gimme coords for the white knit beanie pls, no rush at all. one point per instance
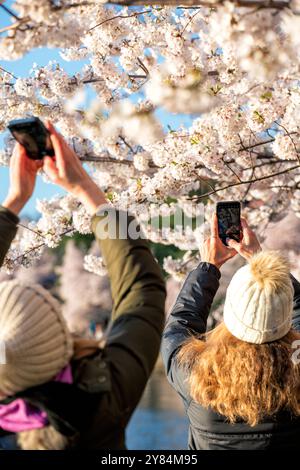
(259, 299)
(33, 335)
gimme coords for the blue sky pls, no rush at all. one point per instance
(21, 68)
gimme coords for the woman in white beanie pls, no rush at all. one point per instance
(57, 391)
(240, 383)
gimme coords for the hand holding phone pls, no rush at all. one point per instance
(67, 171)
(229, 221)
(249, 245)
(22, 176)
(33, 136)
(212, 250)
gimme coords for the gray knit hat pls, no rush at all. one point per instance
(34, 337)
(259, 299)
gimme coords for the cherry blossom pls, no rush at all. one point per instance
(232, 70)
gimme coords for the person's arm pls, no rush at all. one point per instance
(22, 173)
(134, 274)
(137, 285)
(189, 316)
(66, 171)
(8, 230)
(138, 293)
(190, 312)
(130, 261)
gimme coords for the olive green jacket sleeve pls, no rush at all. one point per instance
(136, 278)
(8, 230)
(138, 292)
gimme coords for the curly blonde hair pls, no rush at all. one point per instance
(242, 380)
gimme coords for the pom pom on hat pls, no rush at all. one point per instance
(259, 299)
(270, 269)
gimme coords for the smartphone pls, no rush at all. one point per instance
(229, 220)
(33, 135)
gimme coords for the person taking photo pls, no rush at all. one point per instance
(239, 383)
(60, 392)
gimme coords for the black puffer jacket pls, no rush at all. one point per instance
(209, 430)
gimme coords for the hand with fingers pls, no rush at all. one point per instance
(213, 250)
(66, 170)
(249, 244)
(23, 172)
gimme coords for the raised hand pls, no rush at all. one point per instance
(66, 170)
(23, 173)
(213, 250)
(249, 245)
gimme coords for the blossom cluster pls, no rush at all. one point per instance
(234, 71)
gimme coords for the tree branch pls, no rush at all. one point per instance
(264, 142)
(31, 230)
(271, 4)
(291, 139)
(231, 185)
(9, 11)
(137, 13)
(37, 247)
(108, 159)
(95, 159)
(9, 73)
(15, 25)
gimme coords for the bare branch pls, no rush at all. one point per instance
(15, 25)
(231, 169)
(9, 73)
(95, 159)
(143, 66)
(269, 4)
(126, 143)
(231, 185)
(264, 142)
(108, 159)
(31, 230)
(291, 139)
(189, 22)
(137, 13)
(37, 247)
(9, 11)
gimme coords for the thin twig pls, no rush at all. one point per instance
(231, 185)
(264, 142)
(9, 73)
(143, 66)
(95, 159)
(263, 4)
(108, 159)
(37, 247)
(291, 138)
(119, 16)
(31, 230)
(9, 12)
(231, 169)
(126, 143)
(26, 253)
(190, 21)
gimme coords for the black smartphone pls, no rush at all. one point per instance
(33, 135)
(229, 220)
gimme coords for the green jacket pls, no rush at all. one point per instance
(108, 385)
